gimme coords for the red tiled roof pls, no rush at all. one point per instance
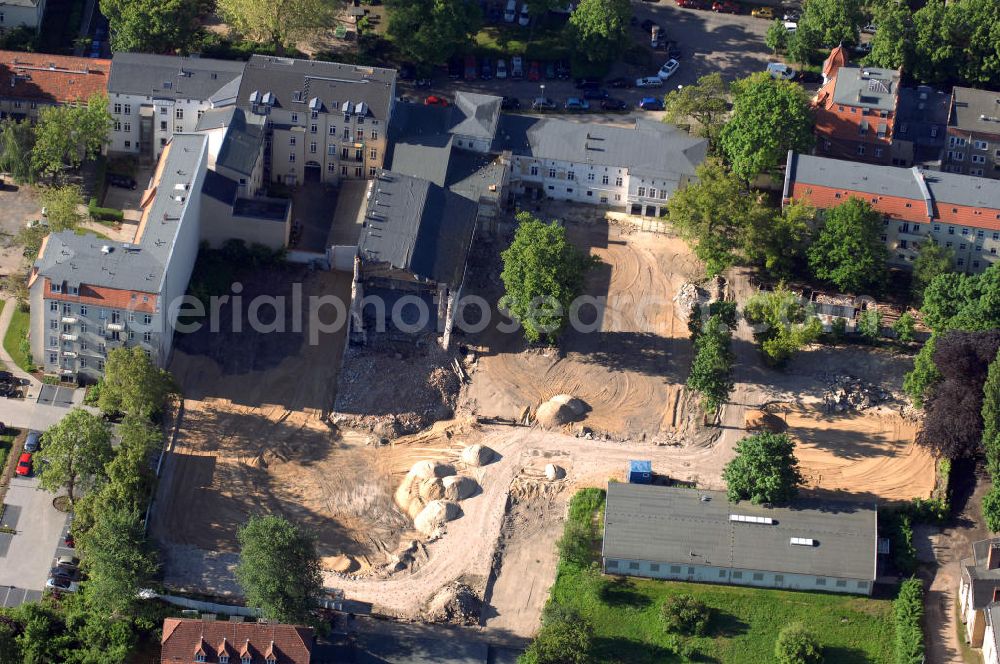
(837, 59)
(51, 78)
(289, 644)
(100, 296)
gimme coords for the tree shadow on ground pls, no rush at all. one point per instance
(621, 592)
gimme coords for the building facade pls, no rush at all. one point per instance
(958, 211)
(89, 295)
(31, 81)
(973, 144)
(683, 534)
(979, 596)
(18, 13)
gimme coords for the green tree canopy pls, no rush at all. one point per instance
(542, 274)
(598, 29)
(991, 419)
(780, 244)
(62, 206)
(66, 135)
(712, 368)
(870, 324)
(153, 26)
(782, 322)
(686, 614)
(77, 450)
(17, 140)
(132, 384)
(279, 569)
(706, 102)
(849, 251)
(431, 31)
(118, 561)
(764, 470)
(904, 327)
(908, 612)
(776, 38)
(566, 637)
(991, 507)
(892, 42)
(769, 118)
(279, 24)
(936, 43)
(797, 644)
(834, 21)
(803, 44)
(932, 260)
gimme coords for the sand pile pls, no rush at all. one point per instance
(435, 515)
(761, 420)
(341, 564)
(455, 603)
(430, 469)
(459, 488)
(559, 411)
(577, 406)
(478, 455)
(554, 472)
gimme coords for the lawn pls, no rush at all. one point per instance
(18, 331)
(6, 442)
(625, 615)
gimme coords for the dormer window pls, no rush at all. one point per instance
(56, 288)
(223, 659)
(199, 658)
(271, 660)
(246, 659)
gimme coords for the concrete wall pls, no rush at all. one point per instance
(218, 224)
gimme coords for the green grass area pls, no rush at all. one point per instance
(18, 331)
(626, 615)
(505, 41)
(6, 443)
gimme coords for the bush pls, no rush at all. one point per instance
(725, 309)
(899, 528)
(838, 329)
(870, 325)
(907, 611)
(687, 615)
(103, 213)
(991, 508)
(796, 644)
(904, 328)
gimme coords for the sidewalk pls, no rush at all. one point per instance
(32, 389)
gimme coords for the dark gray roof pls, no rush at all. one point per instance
(475, 114)
(170, 76)
(983, 580)
(648, 148)
(976, 110)
(676, 525)
(894, 181)
(219, 187)
(920, 110)
(871, 87)
(330, 83)
(216, 118)
(241, 148)
(993, 615)
(78, 259)
(417, 226)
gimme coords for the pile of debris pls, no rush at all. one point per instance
(848, 393)
(689, 295)
(456, 603)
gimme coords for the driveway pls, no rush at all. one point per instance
(27, 555)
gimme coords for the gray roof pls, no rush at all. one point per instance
(920, 110)
(871, 87)
(244, 137)
(648, 148)
(219, 187)
(894, 181)
(170, 76)
(983, 580)
(330, 83)
(475, 114)
(676, 525)
(976, 110)
(78, 259)
(216, 118)
(993, 615)
(417, 226)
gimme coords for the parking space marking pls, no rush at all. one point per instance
(11, 515)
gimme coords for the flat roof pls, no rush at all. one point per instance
(871, 87)
(694, 526)
(976, 110)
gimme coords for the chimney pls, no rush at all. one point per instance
(993, 558)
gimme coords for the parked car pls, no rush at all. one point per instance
(791, 26)
(121, 181)
(24, 465)
(524, 18)
(668, 69)
(871, 28)
(612, 104)
(550, 70)
(407, 72)
(790, 16)
(862, 50)
(726, 7)
(423, 83)
(562, 69)
(501, 69)
(434, 100)
(535, 71)
(485, 69)
(510, 103)
(809, 77)
(471, 69)
(780, 71)
(655, 36)
(516, 67)
(648, 25)
(68, 561)
(693, 4)
(69, 542)
(595, 93)
(59, 584)
(64, 572)
(585, 83)
(649, 82)
(577, 104)
(673, 50)
(621, 82)
(763, 12)
(455, 68)
(651, 104)
(543, 104)
(33, 442)
(510, 12)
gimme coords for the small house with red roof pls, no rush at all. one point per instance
(193, 641)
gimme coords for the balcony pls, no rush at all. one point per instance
(69, 320)
(116, 327)
(68, 337)
(68, 353)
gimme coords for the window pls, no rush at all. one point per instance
(146, 336)
(722, 573)
(951, 230)
(757, 576)
(291, 141)
(571, 175)
(981, 145)
(331, 150)
(147, 319)
(612, 564)
(333, 131)
(178, 128)
(618, 182)
(652, 192)
(979, 234)
(371, 171)
(357, 172)
(690, 570)
(223, 659)
(934, 131)
(291, 158)
(654, 567)
(295, 118)
(128, 129)
(737, 575)
(820, 582)
(965, 231)
(343, 153)
(373, 154)
(642, 191)
(978, 159)
(199, 658)
(53, 324)
(358, 155)
(343, 171)
(312, 147)
(841, 583)
(959, 156)
(331, 166)
(246, 660)
(590, 177)
(862, 585)
(779, 578)
(54, 306)
(53, 358)
(270, 660)
(534, 170)
(374, 134)
(53, 342)
(359, 135)
(83, 329)
(118, 109)
(128, 144)
(633, 566)
(552, 172)
(163, 110)
(100, 365)
(961, 261)
(949, 244)
(996, 236)
(878, 152)
(675, 569)
(937, 227)
(179, 114)
(861, 149)
(313, 128)
(604, 179)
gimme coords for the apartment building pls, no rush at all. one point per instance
(325, 121)
(152, 97)
(32, 81)
(18, 13)
(973, 145)
(960, 212)
(855, 110)
(633, 168)
(90, 295)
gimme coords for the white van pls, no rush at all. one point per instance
(510, 13)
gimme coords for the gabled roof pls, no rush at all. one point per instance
(51, 78)
(975, 110)
(289, 644)
(170, 76)
(837, 59)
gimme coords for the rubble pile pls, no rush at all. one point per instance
(847, 393)
(456, 603)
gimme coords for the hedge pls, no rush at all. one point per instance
(907, 610)
(104, 214)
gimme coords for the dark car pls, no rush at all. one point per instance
(423, 83)
(612, 104)
(587, 83)
(510, 103)
(651, 104)
(673, 50)
(595, 93)
(470, 68)
(621, 82)
(407, 72)
(562, 69)
(808, 77)
(486, 69)
(550, 70)
(33, 442)
(648, 24)
(455, 68)
(544, 104)
(535, 71)
(64, 572)
(121, 181)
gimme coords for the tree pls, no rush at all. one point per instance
(598, 29)
(870, 324)
(153, 26)
(932, 260)
(17, 140)
(776, 38)
(803, 44)
(279, 24)
(976, 23)
(686, 614)
(781, 245)
(61, 205)
(797, 644)
(542, 274)
(117, 560)
(783, 323)
(991, 418)
(834, 21)
(565, 637)
(908, 612)
(849, 251)
(77, 450)
(764, 470)
(711, 370)
(431, 31)
(279, 569)
(991, 507)
(715, 215)
(65, 135)
(133, 385)
(919, 382)
(892, 40)
(770, 117)
(904, 327)
(935, 42)
(706, 102)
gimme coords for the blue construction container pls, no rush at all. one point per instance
(640, 472)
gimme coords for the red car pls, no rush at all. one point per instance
(471, 68)
(693, 4)
(24, 465)
(726, 7)
(434, 100)
(535, 71)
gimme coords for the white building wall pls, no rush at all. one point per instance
(975, 248)
(990, 655)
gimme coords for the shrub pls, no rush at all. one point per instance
(907, 611)
(796, 644)
(870, 325)
(903, 327)
(103, 213)
(991, 508)
(685, 614)
(838, 329)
